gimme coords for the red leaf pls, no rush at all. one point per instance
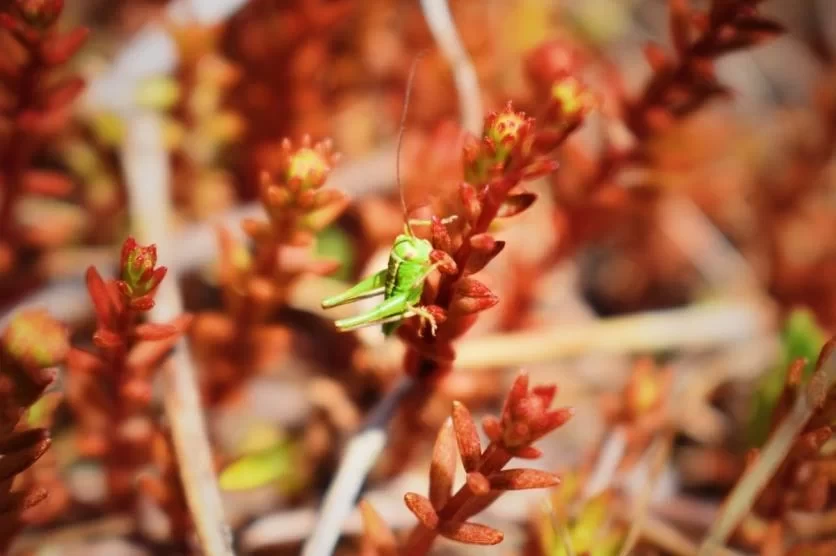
(546, 140)
(128, 247)
(149, 354)
(124, 289)
(795, 371)
(467, 437)
(659, 119)
(375, 529)
(323, 267)
(517, 393)
(527, 452)
(42, 182)
(523, 479)
(157, 276)
(445, 262)
(40, 13)
(65, 92)
(485, 248)
(137, 392)
(106, 339)
(515, 204)
(305, 199)
(440, 235)
(809, 444)
(80, 361)
(759, 29)
(23, 32)
(9, 69)
(45, 122)
(22, 440)
(656, 57)
(471, 533)
(680, 26)
(478, 504)
(478, 483)
(326, 197)
(117, 300)
(472, 296)
(483, 242)
(8, 22)
(545, 392)
(443, 466)
(816, 494)
(492, 427)
(98, 294)
(470, 202)
(423, 510)
(13, 463)
(33, 498)
(58, 50)
(153, 331)
(701, 22)
(144, 303)
(550, 421)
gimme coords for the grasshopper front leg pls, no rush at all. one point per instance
(368, 287)
(426, 318)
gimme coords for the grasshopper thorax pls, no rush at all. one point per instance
(411, 249)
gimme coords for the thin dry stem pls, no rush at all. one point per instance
(741, 499)
(607, 464)
(114, 526)
(720, 263)
(694, 327)
(659, 453)
(151, 52)
(440, 21)
(357, 461)
(558, 524)
(147, 175)
(664, 536)
(809, 526)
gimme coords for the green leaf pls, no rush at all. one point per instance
(335, 244)
(40, 413)
(590, 532)
(589, 523)
(277, 464)
(158, 93)
(801, 337)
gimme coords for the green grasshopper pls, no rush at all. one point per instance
(402, 281)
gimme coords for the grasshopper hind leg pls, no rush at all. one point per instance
(390, 314)
(368, 287)
(392, 310)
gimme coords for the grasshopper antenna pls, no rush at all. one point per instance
(401, 134)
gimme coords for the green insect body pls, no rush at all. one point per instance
(401, 283)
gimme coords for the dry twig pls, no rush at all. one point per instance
(740, 500)
(147, 174)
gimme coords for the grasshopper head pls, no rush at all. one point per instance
(409, 248)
